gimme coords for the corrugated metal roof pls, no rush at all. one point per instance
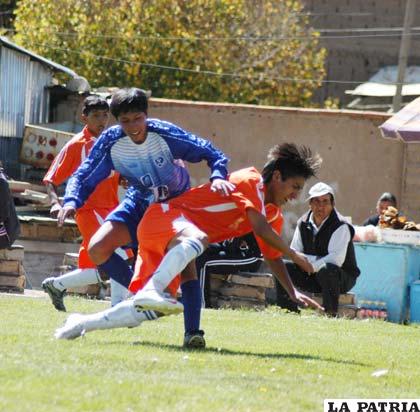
(55, 66)
(382, 84)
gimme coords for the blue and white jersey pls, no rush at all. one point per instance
(152, 168)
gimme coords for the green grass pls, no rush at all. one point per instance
(255, 361)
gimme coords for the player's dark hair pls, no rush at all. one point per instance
(292, 161)
(128, 100)
(94, 102)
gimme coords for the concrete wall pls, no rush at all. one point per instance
(358, 162)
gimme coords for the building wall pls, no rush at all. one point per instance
(23, 99)
(358, 162)
(353, 59)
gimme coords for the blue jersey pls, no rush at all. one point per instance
(152, 168)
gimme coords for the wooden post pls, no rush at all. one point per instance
(404, 46)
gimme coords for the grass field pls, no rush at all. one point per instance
(255, 361)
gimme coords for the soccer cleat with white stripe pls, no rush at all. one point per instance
(72, 329)
(161, 302)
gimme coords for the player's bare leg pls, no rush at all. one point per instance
(105, 251)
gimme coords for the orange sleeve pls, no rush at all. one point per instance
(64, 164)
(275, 218)
(249, 194)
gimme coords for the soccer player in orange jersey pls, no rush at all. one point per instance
(172, 234)
(95, 114)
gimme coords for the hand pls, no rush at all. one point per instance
(64, 213)
(305, 301)
(224, 187)
(302, 261)
(124, 182)
(55, 209)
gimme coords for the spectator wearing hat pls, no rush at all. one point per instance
(325, 238)
(385, 200)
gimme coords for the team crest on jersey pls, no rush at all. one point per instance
(146, 180)
(160, 161)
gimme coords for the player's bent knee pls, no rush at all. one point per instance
(98, 254)
(100, 249)
(109, 237)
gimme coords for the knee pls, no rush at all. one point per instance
(199, 236)
(331, 268)
(204, 240)
(98, 251)
(330, 271)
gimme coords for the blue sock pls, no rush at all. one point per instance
(117, 268)
(191, 299)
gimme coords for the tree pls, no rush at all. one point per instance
(240, 51)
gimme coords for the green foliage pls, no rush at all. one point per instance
(254, 361)
(250, 47)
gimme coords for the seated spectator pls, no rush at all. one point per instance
(325, 238)
(9, 223)
(240, 254)
(386, 199)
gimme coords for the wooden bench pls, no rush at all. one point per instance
(346, 304)
(241, 290)
(12, 273)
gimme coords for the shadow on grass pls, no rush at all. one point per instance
(229, 352)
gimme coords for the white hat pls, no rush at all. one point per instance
(320, 189)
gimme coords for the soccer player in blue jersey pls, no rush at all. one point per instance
(149, 154)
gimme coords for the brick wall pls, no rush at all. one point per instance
(358, 59)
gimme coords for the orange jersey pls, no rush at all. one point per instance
(222, 217)
(70, 158)
(219, 217)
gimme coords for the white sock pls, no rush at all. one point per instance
(118, 292)
(76, 278)
(174, 262)
(122, 315)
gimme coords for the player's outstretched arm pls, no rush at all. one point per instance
(279, 270)
(262, 229)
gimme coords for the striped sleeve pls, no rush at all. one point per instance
(97, 167)
(191, 148)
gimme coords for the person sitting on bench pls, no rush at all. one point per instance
(325, 238)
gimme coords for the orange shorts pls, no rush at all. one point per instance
(89, 221)
(155, 231)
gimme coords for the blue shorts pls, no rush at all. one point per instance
(130, 213)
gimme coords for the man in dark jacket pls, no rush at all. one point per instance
(9, 224)
(325, 238)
